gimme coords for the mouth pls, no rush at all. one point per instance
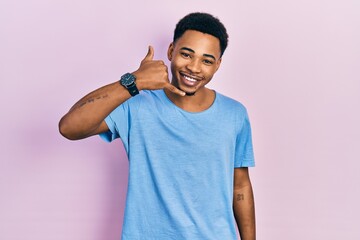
(190, 80)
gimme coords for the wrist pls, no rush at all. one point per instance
(140, 83)
(128, 81)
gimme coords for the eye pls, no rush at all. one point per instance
(185, 55)
(208, 62)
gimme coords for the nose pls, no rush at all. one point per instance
(194, 66)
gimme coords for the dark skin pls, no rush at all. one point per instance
(86, 117)
(243, 204)
(195, 57)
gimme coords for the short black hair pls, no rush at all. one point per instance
(205, 23)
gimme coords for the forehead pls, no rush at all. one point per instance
(201, 43)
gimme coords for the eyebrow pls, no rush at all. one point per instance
(205, 55)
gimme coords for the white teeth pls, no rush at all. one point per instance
(189, 79)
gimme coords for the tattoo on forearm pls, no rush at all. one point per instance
(239, 197)
(91, 100)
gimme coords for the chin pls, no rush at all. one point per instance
(188, 91)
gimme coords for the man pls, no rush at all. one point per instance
(188, 146)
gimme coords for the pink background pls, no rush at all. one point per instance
(294, 64)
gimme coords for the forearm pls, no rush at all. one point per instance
(87, 114)
(244, 212)
(86, 117)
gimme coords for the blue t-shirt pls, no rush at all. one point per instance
(181, 166)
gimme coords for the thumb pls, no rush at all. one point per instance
(150, 54)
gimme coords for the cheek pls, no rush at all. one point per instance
(177, 63)
(209, 73)
(174, 68)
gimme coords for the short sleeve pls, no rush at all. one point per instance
(120, 119)
(244, 154)
(112, 134)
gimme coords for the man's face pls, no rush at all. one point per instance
(195, 57)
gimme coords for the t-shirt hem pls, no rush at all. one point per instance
(245, 164)
(109, 135)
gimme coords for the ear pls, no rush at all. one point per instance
(170, 51)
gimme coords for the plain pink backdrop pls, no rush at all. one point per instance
(294, 64)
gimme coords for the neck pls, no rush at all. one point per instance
(198, 102)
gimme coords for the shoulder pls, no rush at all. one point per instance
(230, 103)
(144, 95)
(233, 109)
(146, 100)
(149, 94)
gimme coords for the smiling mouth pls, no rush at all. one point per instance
(189, 79)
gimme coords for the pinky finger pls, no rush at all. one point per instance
(175, 90)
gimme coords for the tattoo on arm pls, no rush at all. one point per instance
(239, 197)
(90, 100)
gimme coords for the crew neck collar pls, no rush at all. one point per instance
(212, 106)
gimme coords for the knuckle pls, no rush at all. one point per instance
(166, 76)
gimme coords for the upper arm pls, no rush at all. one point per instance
(241, 177)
